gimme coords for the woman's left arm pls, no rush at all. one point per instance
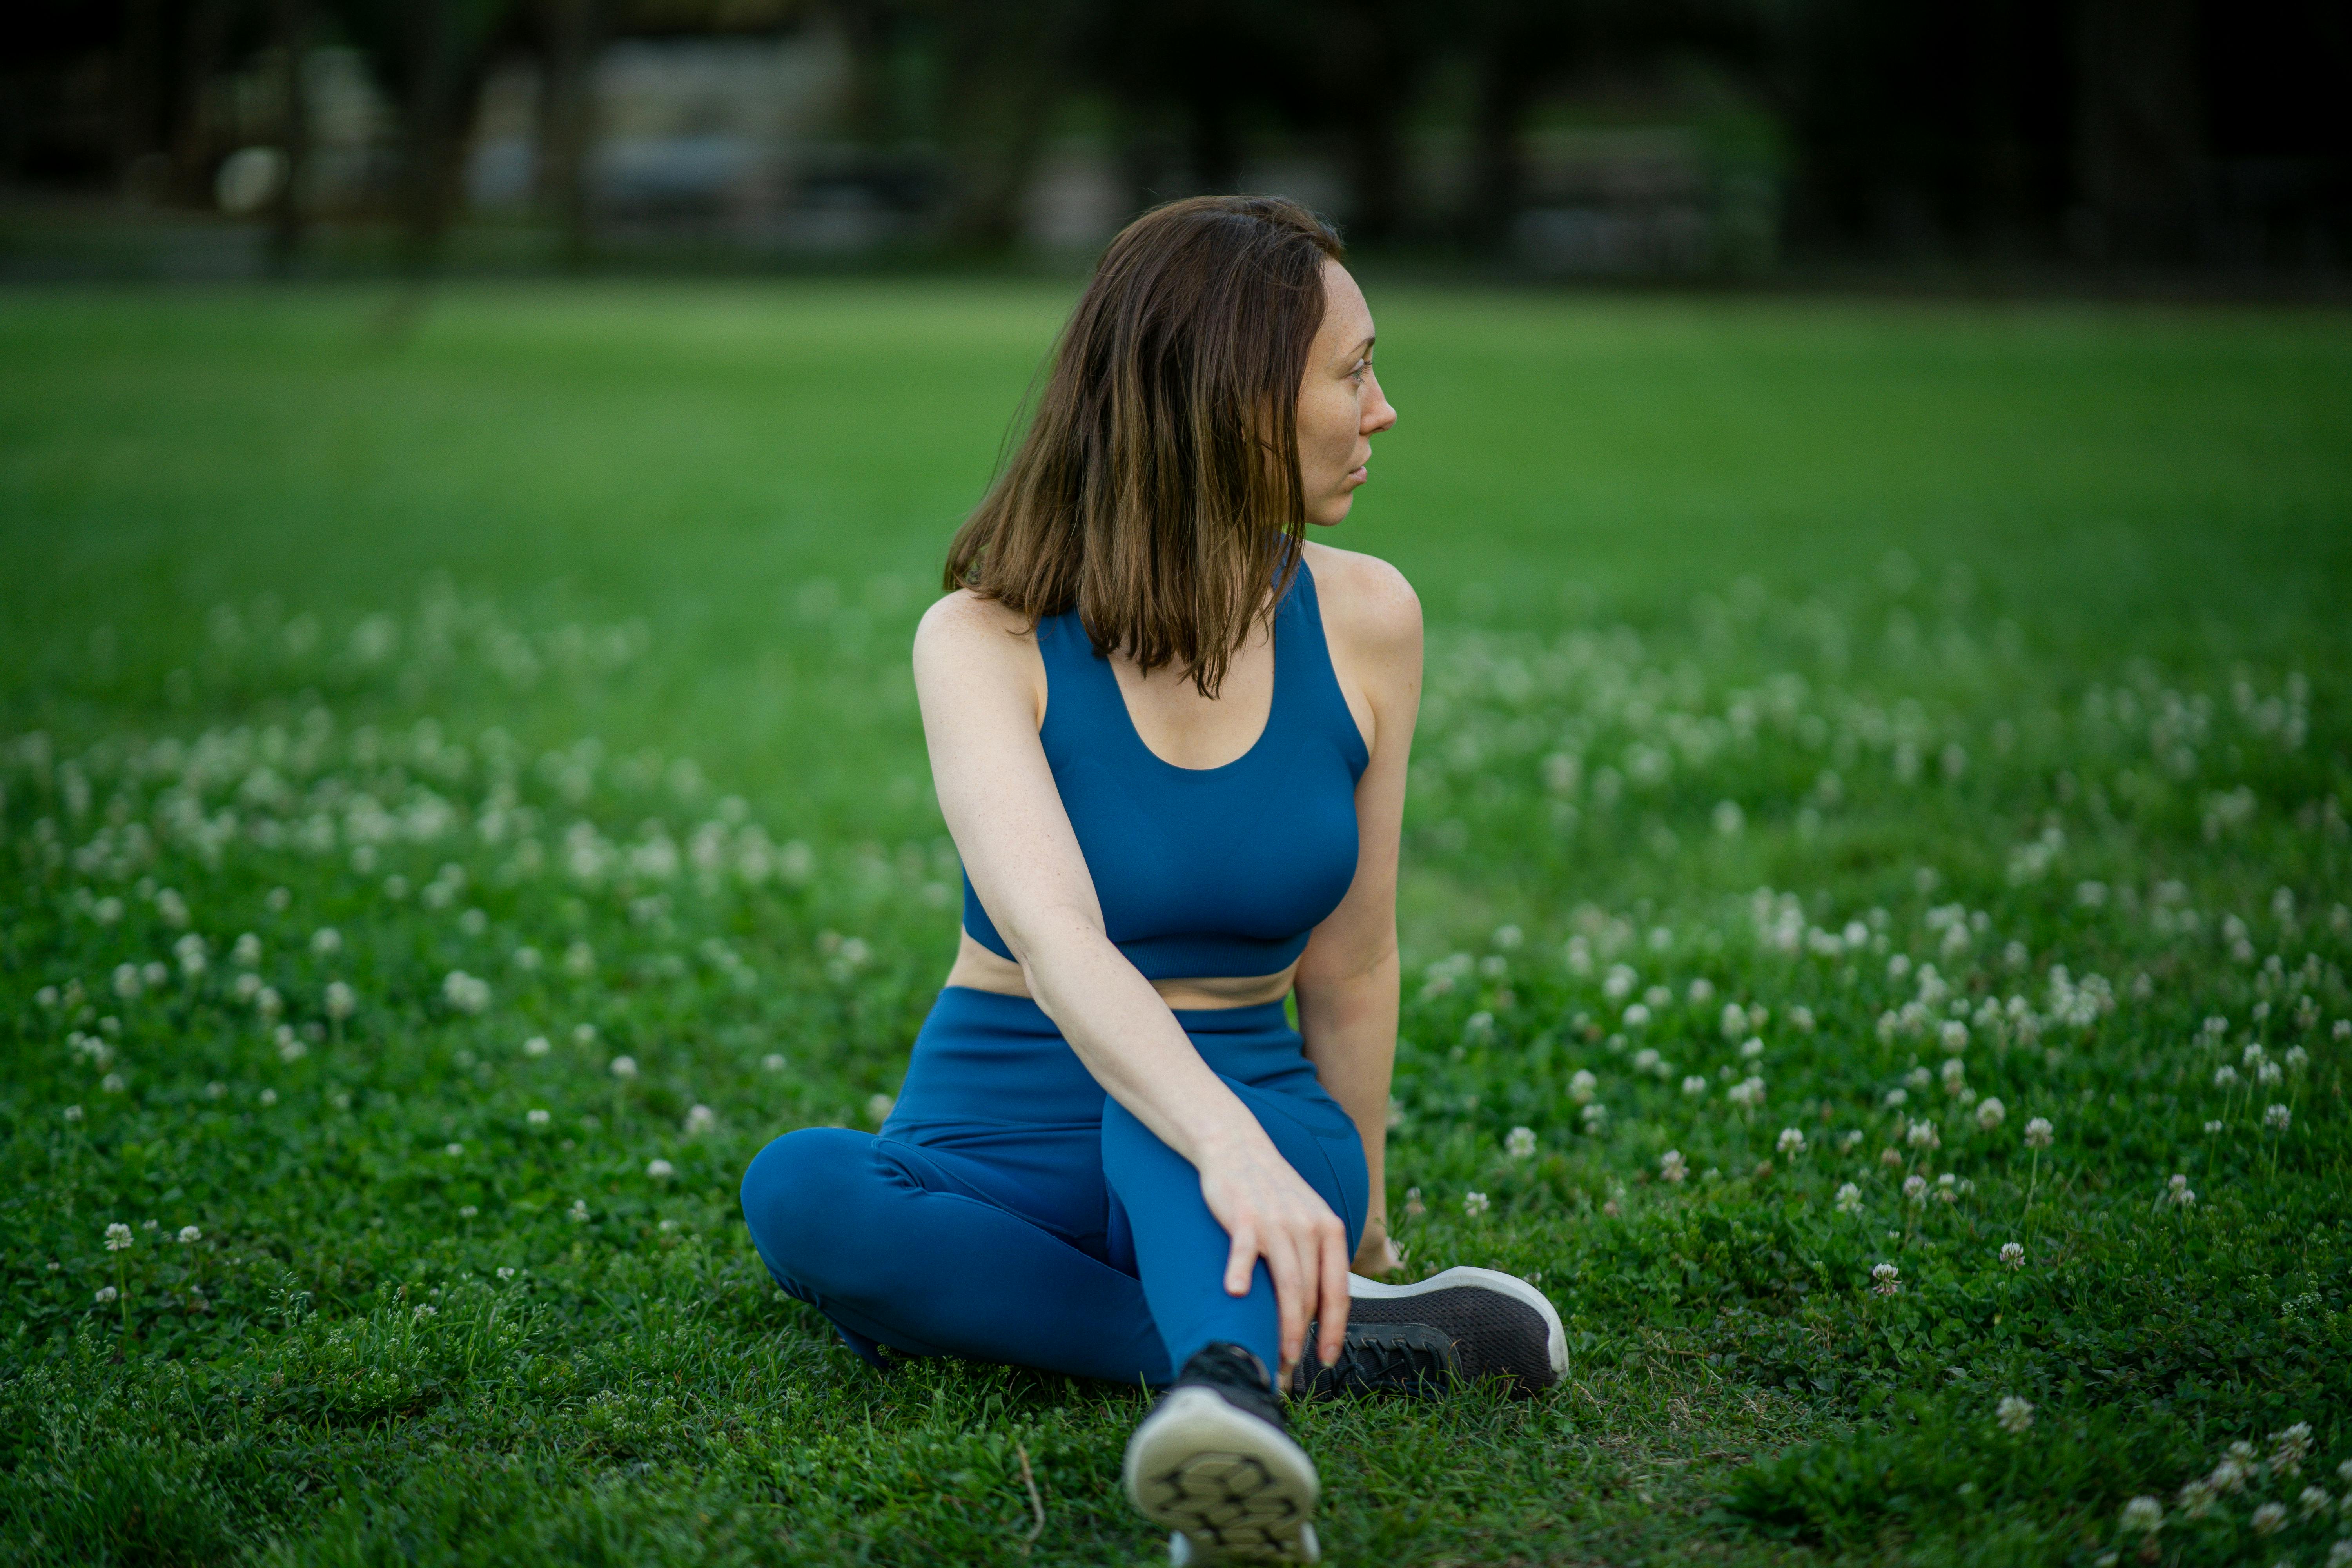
(1348, 979)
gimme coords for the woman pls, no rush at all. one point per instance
(1169, 737)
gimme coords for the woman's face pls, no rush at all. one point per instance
(1341, 408)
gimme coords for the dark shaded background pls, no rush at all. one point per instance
(2085, 139)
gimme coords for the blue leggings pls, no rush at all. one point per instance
(1009, 1211)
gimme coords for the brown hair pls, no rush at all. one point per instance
(1158, 489)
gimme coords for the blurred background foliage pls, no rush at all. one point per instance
(2180, 140)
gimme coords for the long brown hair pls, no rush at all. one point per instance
(1157, 489)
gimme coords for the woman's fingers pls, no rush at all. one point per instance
(1334, 1305)
(1240, 1262)
(1289, 1292)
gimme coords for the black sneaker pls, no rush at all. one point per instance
(1215, 1463)
(1465, 1323)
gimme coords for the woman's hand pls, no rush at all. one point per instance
(1270, 1211)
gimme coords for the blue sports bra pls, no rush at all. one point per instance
(1204, 873)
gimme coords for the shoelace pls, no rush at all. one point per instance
(1409, 1357)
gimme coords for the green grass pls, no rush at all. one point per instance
(1778, 653)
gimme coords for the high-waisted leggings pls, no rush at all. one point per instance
(1010, 1211)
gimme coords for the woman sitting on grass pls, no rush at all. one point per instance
(1169, 737)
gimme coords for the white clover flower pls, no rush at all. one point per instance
(1672, 1166)
(2012, 1255)
(700, 1118)
(1915, 1187)
(2268, 1518)
(1520, 1142)
(245, 952)
(1793, 1142)
(269, 1097)
(2269, 1073)
(127, 983)
(2015, 1415)
(424, 1311)
(774, 1062)
(1954, 1035)
(119, 1237)
(2212, 1127)
(536, 1046)
(2277, 1117)
(1581, 1087)
(525, 959)
(1637, 1016)
(2290, 1448)
(536, 1117)
(2038, 1134)
(1886, 1279)
(72, 1113)
(660, 1170)
(267, 1003)
(454, 1150)
(624, 1067)
(505, 1272)
(2224, 1075)
(1748, 1093)
(2196, 1498)
(578, 1211)
(2315, 1500)
(189, 1233)
(2340, 1555)
(326, 942)
(1802, 1020)
(465, 991)
(342, 1002)
(1852, 1137)
(1848, 1199)
(1751, 1048)
(2297, 1057)
(107, 1293)
(1991, 1114)
(1895, 1098)
(878, 1107)
(290, 1047)
(1922, 1134)
(1475, 1204)
(1593, 1116)
(2143, 1516)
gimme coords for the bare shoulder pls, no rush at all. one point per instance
(962, 625)
(1365, 599)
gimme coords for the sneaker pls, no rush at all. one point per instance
(1465, 1323)
(1215, 1463)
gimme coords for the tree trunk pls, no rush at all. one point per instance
(293, 21)
(1497, 162)
(568, 124)
(2141, 136)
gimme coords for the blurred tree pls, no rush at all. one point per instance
(569, 32)
(432, 56)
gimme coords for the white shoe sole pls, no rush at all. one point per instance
(1229, 1487)
(1511, 1285)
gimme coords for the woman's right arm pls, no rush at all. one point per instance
(981, 687)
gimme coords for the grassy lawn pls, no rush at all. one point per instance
(460, 794)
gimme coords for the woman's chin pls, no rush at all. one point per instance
(1331, 513)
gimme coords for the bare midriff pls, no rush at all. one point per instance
(981, 970)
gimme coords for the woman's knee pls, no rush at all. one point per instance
(804, 1191)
